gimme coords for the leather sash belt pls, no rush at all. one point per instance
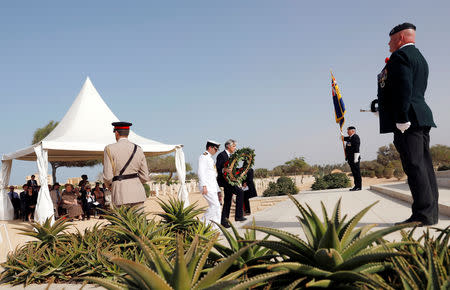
(125, 176)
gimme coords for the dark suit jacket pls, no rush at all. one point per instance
(251, 192)
(401, 91)
(32, 183)
(352, 145)
(220, 161)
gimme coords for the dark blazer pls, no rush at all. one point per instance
(220, 162)
(32, 183)
(251, 192)
(401, 91)
(352, 145)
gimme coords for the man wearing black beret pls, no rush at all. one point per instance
(353, 156)
(403, 111)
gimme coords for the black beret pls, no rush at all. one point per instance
(351, 128)
(121, 125)
(401, 27)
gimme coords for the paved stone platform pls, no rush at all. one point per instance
(385, 213)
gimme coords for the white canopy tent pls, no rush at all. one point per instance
(82, 134)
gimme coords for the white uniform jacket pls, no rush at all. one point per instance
(207, 173)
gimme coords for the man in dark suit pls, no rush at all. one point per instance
(248, 186)
(230, 147)
(353, 156)
(32, 182)
(403, 111)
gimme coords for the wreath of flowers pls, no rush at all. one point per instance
(238, 175)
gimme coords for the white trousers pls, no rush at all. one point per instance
(214, 211)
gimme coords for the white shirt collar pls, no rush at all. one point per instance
(228, 153)
(122, 138)
(411, 43)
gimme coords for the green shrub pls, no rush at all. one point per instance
(367, 173)
(388, 172)
(261, 173)
(283, 186)
(399, 173)
(443, 168)
(379, 171)
(319, 184)
(330, 181)
(147, 189)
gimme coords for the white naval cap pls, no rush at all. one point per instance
(212, 143)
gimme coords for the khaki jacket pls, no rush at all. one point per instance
(129, 190)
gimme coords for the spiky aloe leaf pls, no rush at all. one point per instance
(180, 279)
(142, 275)
(201, 262)
(286, 249)
(359, 260)
(324, 212)
(351, 276)
(294, 241)
(365, 241)
(108, 284)
(328, 258)
(330, 238)
(230, 239)
(351, 224)
(294, 284)
(313, 230)
(246, 284)
(325, 283)
(218, 270)
(155, 258)
(300, 269)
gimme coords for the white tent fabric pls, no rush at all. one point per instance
(44, 206)
(181, 172)
(6, 207)
(82, 134)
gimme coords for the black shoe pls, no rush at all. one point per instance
(241, 219)
(226, 225)
(415, 223)
(355, 188)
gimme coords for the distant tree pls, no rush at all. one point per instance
(191, 176)
(164, 164)
(279, 170)
(440, 155)
(261, 173)
(41, 133)
(387, 154)
(297, 165)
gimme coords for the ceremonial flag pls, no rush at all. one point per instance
(339, 107)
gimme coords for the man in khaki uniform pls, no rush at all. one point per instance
(125, 168)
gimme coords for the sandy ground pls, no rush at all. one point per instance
(151, 206)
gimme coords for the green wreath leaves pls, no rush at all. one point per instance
(238, 175)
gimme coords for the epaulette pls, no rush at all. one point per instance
(206, 153)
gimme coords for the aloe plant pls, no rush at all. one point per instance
(255, 254)
(47, 233)
(179, 217)
(334, 250)
(428, 266)
(184, 271)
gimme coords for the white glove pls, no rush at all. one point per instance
(342, 133)
(357, 157)
(403, 126)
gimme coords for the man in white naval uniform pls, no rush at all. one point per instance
(207, 177)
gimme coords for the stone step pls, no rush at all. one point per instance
(401, 191)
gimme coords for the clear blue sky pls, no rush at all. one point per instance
(186, 71)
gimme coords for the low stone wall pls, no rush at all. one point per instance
(261, 184)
